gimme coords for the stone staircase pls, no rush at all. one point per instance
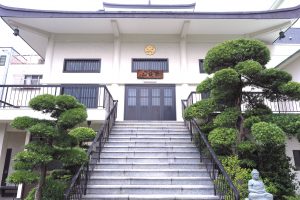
(147, 161)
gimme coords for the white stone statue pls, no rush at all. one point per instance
(256, 188)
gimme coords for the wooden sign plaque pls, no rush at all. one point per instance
(150, 74)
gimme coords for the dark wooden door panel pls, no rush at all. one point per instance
(150, 102)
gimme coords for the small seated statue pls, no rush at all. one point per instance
(256, 188)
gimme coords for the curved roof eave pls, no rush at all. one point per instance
(286, 13)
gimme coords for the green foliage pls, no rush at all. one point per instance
(249, 68)
(204, 86)
(22, 176)
(45, 103)
(73, 157)
(270, 186)
(239, 176)
(23, 122)
(258, 110)
(66, 102)
(230, 53)
(291, 89)
(39, 147)
(70, 118)
(227, 118)
(225, 78)
(83, 134)
(61, 174)
(53, 190)
(273, 78)
(265, 133)
(289, 123)
(274, 165)
(201, 109)
(222, 137)
(296, 197)
(246, 146)
(250, 121)
(34, 158)
(43, 129)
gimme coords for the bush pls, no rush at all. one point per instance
(23, 123)
(274, 78)
(239, 176)
(230, 53)
(45, 103)
(66, 102)
(222, 137)
(225, 78)
(227, 118)
(265, 133)
(258, 110)
(42, 129)
(204, 86)
(250, 121)
(73, 157)
(22, 176)
(289, 123)
(200, 110)
(83, 134)
(291, 89)
(53, 190)
(71, 117)
(249, 68)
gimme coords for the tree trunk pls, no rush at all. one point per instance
(41, 183)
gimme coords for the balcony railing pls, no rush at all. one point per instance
(92, 96)
(277, 106)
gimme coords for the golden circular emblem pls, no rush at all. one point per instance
(150, 50)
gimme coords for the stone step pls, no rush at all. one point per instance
(149, 197)
(150, 172)
(164, 123)
(103, 165)
(111, 180)
(150, 144)
(163, 160)
(149, 130)
(149, 134)
(150, 139)
(108, 148)
(146, 154)
(150, 189)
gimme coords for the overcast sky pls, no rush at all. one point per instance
(8, 40)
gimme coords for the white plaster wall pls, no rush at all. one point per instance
(14, 140)
(63, 50)
(294, 69)
(293, 144)
(280, 52)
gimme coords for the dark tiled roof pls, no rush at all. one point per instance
(292, 36)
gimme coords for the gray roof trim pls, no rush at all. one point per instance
(288, 59)
(286, 13)
(150, 6)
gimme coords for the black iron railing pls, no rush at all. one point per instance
(79, 182)
(277, 106)
(223, 185)
(18, 96)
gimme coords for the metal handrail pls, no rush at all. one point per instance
(223, 185)
(79, 182)
(18, 96)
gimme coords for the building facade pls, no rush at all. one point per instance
(147, 60)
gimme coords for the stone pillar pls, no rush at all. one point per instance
(2, 147)
(49, 59)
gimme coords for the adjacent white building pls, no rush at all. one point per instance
(148, 58)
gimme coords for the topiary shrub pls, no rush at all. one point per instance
(239, 176)
(250, 121)
(70, 117)
(66, 102)
(200, 110)
(73, 156)
(222, 137)
(23, 123)
(227, 118)
(291, 89)
(204, 86)
(83, 134)
(265, 133)
(258, 110)
(45, 103)
(249, 68)
(231, 52)
(22, 176)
